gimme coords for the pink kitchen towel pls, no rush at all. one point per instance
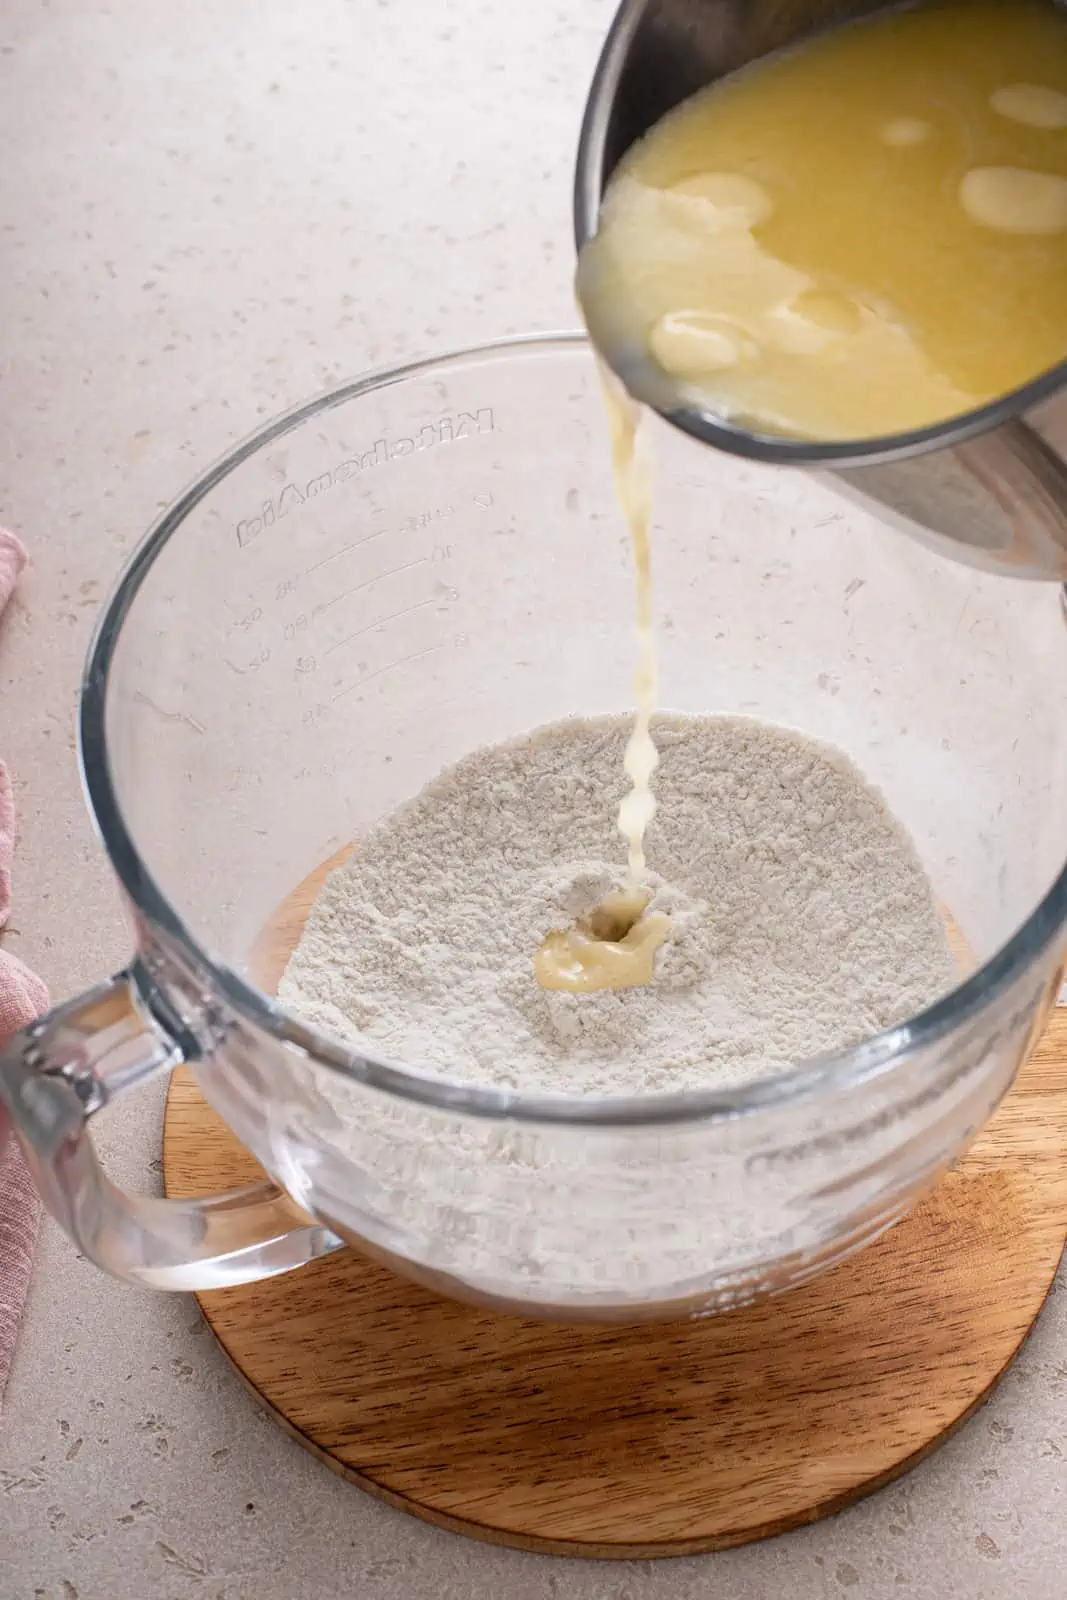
(22, 997)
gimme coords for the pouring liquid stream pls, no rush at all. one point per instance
(615, 946)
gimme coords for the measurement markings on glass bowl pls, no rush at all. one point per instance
(346, 549)
(303, 624)
(439, 602)
(287, 586)
(410, 525)
(368, 583)
(416, 655)
(273, 638)
(481, 500)
(434, 600)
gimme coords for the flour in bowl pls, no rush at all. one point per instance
(801, 919)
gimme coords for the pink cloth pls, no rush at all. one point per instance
(22, 997)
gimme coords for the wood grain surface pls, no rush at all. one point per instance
(656, 1440)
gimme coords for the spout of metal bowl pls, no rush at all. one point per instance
(989, 488)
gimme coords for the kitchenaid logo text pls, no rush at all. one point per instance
(463, 425)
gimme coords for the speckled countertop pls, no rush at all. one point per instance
(208, 211)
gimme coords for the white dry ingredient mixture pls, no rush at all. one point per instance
(801, 919)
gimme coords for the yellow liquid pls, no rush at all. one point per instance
(863, 235)
(616, 947)
(633, 487)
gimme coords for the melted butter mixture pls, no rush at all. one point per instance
(615, 947)
(633, 486)
(863, 235)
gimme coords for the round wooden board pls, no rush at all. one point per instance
(664, 1439)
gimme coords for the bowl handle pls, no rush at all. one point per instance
(55, 1075)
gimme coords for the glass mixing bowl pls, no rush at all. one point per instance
(431, 559)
